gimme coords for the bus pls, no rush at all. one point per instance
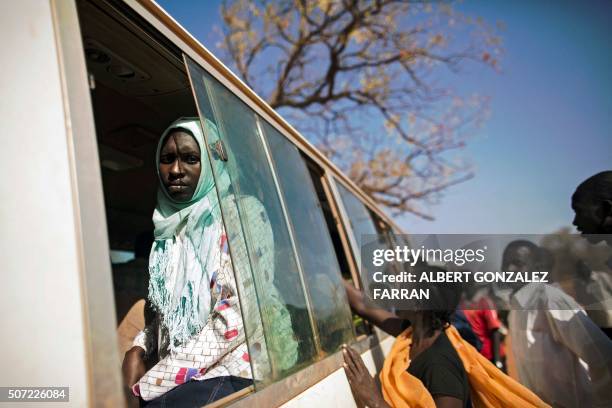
(88, 86)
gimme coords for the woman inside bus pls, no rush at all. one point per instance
(429, 365)
(197, 335)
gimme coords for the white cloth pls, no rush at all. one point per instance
(220, 348)
(560, 354)
(596, 297)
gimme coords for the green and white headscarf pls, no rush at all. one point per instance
(182, 264)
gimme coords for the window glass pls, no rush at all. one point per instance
(387, 240)
(343, 253)
(398, 238)
(275, 311)
(367, 230)
(119, 257)
(315, 248)
(360, 219)
(385, 233)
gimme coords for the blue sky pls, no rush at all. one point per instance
(551, 114)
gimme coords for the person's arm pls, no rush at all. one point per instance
(493, 324)
(576, 331)
(496, 348)
(141, 355)
(385, 320)
(133, 368)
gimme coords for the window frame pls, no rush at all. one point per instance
(282, 194)
(101, 342)
(384, 225)
(263, 143)
(100, 337)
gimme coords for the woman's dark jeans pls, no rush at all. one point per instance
(198, 393)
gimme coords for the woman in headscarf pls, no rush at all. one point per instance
(197, 333)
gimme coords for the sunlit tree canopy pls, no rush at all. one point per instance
(361, 80)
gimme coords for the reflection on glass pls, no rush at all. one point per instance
(360, 219)
(266, 269)
(386, 237)
(316, 252)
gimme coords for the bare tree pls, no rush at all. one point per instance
(360, 80)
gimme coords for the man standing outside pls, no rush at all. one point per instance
(592, 204)
(560, 354)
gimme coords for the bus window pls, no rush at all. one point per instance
(364, 222)
(119, 257)
(385, 233)
(367, 228)
(247, 181)
(317, 176)
(139, 87)
(360, 219)
(315, 249)
(342, 250)
(287, 265)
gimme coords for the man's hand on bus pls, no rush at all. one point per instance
(133, 368)
(364, 388)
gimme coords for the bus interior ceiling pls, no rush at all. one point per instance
(139, 88)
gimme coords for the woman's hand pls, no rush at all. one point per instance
(355, 297)
(362, 384)
(133, 369)
(381, 318)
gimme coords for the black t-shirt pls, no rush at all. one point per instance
(441, 371)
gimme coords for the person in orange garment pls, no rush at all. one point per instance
(430, 365)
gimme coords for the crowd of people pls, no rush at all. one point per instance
(560, 356)
(458, 357)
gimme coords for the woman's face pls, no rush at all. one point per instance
(180, 165)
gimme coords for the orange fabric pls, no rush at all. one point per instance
(400, 388)
(489, 386)
(510, 363)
